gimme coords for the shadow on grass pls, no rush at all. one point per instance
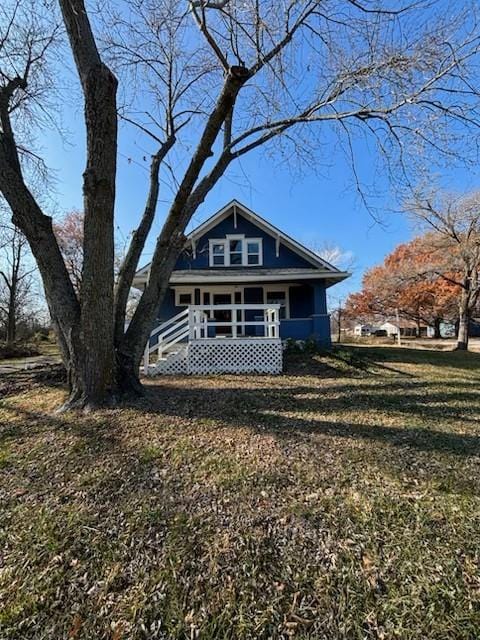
(265, 410)
(466, 360)
(335, 363)
(426, 416)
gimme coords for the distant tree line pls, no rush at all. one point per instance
(435, 277)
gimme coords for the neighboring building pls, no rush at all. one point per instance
(410, 329)
(239, 288)
(407, 329)
(364, 330)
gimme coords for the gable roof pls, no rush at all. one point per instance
(269, 228)
(320, 266)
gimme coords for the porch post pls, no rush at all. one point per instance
(191, 320)
(146, 357)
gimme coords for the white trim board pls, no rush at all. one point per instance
(213, 290)
(239, 277)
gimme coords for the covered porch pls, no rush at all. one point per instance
(302, 314)
(210, 326)
(236, 338)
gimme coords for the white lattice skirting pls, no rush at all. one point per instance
(231, 355)
(174, 364)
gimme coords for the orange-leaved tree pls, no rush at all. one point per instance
(408, 281)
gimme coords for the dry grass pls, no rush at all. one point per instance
(341, 501)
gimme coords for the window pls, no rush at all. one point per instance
(183, 298)
(253, 252)
(278, 297)
(236, 251)
(218, 253)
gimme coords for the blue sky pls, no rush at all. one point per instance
(316, 207)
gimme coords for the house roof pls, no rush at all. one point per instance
(321, 269)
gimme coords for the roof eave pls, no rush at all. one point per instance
(180, 279)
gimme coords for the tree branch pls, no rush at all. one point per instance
(137, 243)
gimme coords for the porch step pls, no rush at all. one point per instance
(217, 344)
(175, 362)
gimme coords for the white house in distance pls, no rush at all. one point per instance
(364, 330)
(390, 328)
(407, 329)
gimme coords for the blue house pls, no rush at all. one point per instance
(240, 288)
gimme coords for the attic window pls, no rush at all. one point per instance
(253, 252)
(236, 251)
(217, 257)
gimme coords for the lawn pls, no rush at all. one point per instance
(340, 500)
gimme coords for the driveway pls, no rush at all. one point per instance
(21, 364)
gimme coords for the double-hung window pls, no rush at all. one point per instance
(236, 251)
(278, 297)
(217, 254)
(253, 252)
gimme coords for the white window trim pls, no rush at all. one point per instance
(286, 289)
(226, 248)
(260, 252)
(212, 289)
(181, 291)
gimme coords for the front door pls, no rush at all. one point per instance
(222, 315)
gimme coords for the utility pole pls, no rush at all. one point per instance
(399, 341)
(339, 334)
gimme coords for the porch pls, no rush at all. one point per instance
(303, 309)
(217, 338)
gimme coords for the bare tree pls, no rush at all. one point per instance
(215, 80)
(16, 280)
(69, 234)
(456, 220)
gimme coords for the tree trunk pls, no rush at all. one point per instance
(11, 317)
(97, 273)
(94, 379)
(171, 239)
(436, 328)
(137, 244)
(463, 322)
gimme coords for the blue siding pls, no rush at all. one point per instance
(299, 329)
(301, 301)
(286, 258)
(308, 302)
(168, 308)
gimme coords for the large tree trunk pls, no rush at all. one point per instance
(85, 332)
(436, 328)
(171, 240)
(95, 382)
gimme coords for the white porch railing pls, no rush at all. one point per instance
(214, 322)
(203, 322)
(169, 333)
